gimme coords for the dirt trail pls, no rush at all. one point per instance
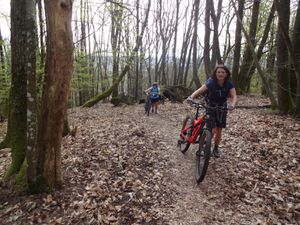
(124, 168)
(194, 204)
(245, 185)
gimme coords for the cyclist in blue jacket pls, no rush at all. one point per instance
(154, 92)
(216, 91)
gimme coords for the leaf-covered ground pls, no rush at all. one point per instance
(123, 167)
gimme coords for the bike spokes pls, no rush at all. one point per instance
(183, 142)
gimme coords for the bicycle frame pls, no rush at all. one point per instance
(198, 126)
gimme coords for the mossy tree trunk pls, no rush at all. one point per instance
(22, 108)
(18, 104)
(30, 52)
(59, 64)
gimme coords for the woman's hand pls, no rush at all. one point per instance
(230, 107)
(190, 99)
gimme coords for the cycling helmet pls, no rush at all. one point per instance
(155, 84)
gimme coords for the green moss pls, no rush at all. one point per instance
(5, 143)
(17, 161)
(40, 186)
(21, 178)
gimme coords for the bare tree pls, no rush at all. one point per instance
(116, 21)
(174, 58)
(184, 52)
(295, 82)
(243, 79)
(258, 66)
(206, 52)
(262, 43)
(283, 94)
(195, 44)
(238, 41)
(283, 9)
(129, 61)
(216, 54)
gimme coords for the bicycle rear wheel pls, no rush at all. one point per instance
(184, 144)
(203, 155)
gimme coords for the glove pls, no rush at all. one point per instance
(230, 107)
(190, 99)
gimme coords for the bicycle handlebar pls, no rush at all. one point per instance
(199, 105)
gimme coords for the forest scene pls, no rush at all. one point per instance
(78, 147)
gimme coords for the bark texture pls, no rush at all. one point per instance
(59, 62)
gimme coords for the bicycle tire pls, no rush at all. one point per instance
(184, 144)
(203, 155)
(148, 106)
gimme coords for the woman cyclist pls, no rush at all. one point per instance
(154, 92)
(216, 91)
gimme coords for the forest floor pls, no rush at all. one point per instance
(124, 167)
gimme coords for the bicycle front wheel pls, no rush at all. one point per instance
(148, 106)
(203, 155)
(184, 143)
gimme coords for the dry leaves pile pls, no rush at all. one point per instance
(123, 167)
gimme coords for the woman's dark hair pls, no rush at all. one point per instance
(213, 76)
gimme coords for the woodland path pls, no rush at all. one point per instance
(124, 167)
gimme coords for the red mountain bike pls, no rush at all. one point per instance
(198, 131)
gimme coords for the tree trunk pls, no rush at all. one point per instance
(3, 82)
(262, 42)
(286, 107)
(116, 21)
(283, 9)
(271, 57)
(216, 54)
(207, 40)
(243, 79)
(174, 58)
(237, 45)
(184, 53)
(18, 104)
(41, 27)
(195, 43)
(59, 62)
(296, 46)
(30, 52)
(2, 60)
(137, 59)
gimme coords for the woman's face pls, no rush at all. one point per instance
(221, 74)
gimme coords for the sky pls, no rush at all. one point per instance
(4, 18)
